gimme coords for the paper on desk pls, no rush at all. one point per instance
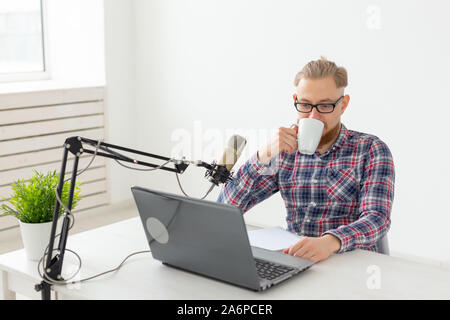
(274, 238)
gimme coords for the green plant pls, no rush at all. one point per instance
(34, 200)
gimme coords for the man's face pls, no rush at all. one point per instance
(315, 91)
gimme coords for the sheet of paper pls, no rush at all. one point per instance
(274, 238)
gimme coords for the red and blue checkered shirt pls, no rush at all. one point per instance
(347, 191)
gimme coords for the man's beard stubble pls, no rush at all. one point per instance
(330, 136)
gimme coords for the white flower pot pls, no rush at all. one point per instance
(35, 238)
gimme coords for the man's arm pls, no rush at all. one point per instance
(257, 179)
(376, 198)
(253, 183)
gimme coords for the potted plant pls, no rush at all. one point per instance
(33, 204)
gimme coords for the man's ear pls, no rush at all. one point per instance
(345, 103)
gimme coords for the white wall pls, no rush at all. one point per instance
(216, 67)
(120, 93)
(76, 41)
(91, 42)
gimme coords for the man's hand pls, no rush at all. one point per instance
(284, 140)
(315, 249)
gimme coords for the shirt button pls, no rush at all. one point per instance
(315, 181)
(308, 220)
(313, 204)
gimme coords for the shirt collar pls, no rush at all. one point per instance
(343, 134)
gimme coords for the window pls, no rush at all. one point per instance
(22, 45)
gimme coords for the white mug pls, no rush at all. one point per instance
(309, 135)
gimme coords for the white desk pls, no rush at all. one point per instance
(343, 276)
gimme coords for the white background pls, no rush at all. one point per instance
(210, 68)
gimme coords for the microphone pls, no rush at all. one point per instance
(232, 151)
(221, 171)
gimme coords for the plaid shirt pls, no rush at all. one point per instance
(347, 191)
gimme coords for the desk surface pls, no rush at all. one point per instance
(357, 274)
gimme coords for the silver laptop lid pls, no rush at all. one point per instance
(201, 236)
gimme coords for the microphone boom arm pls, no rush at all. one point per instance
(53, 266)
(179, 167)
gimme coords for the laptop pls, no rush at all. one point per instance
(210, 239)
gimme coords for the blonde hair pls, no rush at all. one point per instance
(323, 68)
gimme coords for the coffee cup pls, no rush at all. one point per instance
(309, 135)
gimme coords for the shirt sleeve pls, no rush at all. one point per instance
(375, 202)
(253, 183)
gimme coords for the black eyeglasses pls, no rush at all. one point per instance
(321, 107)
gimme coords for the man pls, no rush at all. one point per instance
(339, 198)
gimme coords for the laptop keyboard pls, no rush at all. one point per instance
(269, 270)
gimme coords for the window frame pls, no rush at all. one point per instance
(40, 75)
